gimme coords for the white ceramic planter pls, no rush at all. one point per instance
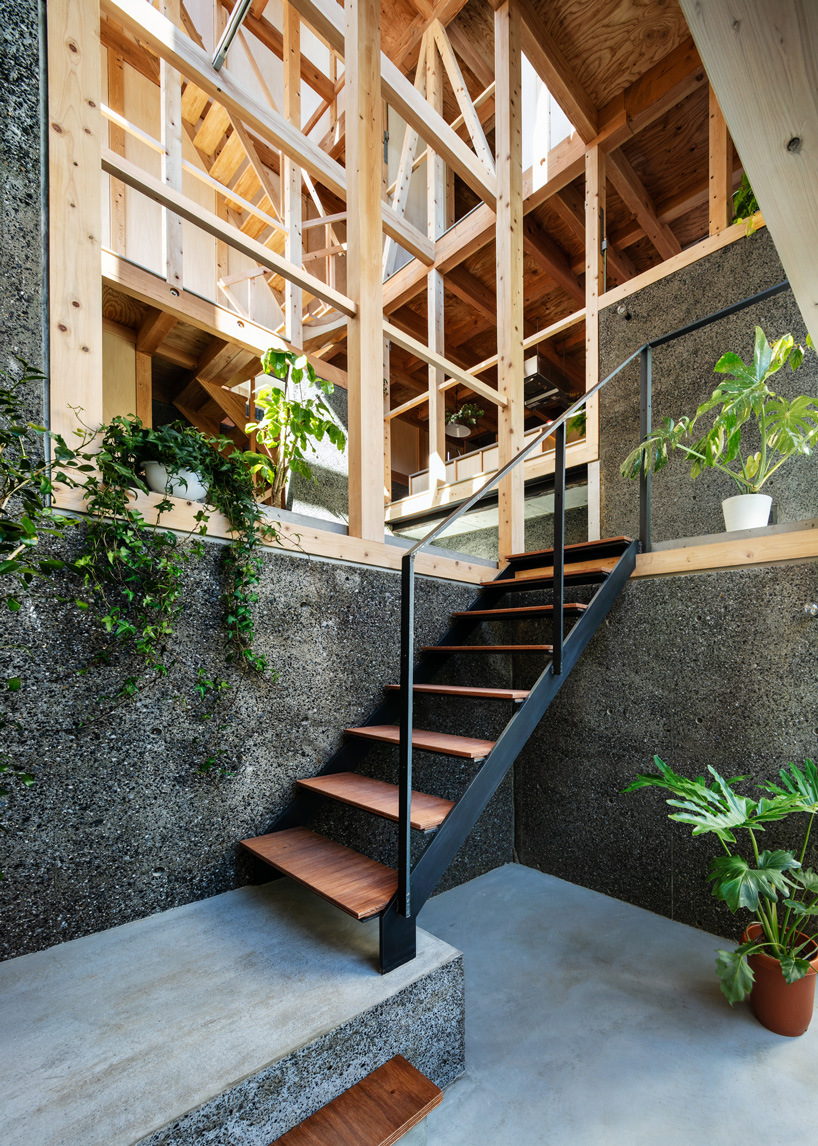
(746, 511)
(173, 484)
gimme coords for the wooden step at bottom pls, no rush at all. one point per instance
(521, 611)
(466, 691)
(427, 813)
(578, 547)
(377, 1111)
(487, 648)
(441, 742)
(358, 885)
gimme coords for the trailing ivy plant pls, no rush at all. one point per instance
(786, 429)
(132, 573)
(290, 424)
(745, 205)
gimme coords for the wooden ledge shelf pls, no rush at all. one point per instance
(801, 545)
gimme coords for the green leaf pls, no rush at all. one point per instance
(793, 968)
(738, 885)
(13, 604)
(735, 973)
(13, 684)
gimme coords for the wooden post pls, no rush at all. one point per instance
(387, 427)
(74, 149)
(171, 92)
(435, 226)
(116, 142)
(364, 141)
(720, 199)
(144, 389)
(508, 137)
(594, 284)
(291, 173)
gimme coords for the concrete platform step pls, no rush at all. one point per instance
(226, 1021)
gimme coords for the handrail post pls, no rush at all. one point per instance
(645, 426)
(559, 548)
(407, 674)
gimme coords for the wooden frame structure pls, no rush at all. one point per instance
(505, 256)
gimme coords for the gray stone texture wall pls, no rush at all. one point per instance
(121, 824)
(683, 377)
(707, 669)
(21, 269)
(539, 534)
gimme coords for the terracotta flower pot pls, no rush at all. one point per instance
(782, 1007)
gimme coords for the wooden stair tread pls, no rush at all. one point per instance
(577, 545)
(599, 565)
(521, 611)
(377, 1111)
(487, 648)
(382, 799)
(442, 742)
(578, 573)
(358, 885)
(467, 691)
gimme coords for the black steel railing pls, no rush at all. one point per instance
(557, 429)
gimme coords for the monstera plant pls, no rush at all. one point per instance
(784, 429)
(777, 958)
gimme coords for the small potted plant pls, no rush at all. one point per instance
(785, 430)
(777, 959)
(458, 421)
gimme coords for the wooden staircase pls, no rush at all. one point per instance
(365, 888)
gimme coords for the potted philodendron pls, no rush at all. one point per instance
(458, 421)
(776, 961)
(785, 430)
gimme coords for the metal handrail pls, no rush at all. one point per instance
(558, 430)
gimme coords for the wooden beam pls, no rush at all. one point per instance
(144, 389)
(464, 100)
(325, 17)
(406, 163)
(632, 191)
(551, 258)
(689, 255)
(364, 279)
(595, 170)
(138, 283)
(570, 206)
(435, 226)
(550, 65)
(116, 142)
(473, 292)
(156, 326)
(458, 376)
(75, 212)
(510, 316)
(154, 189)
(143, 20)
(291, 172)
(125, 46)
(720, 168)
(170, 83)
(272, 39)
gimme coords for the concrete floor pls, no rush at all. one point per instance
(589, 1022)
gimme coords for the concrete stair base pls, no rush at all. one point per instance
(222, 1022)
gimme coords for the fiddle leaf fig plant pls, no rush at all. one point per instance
(290, 424)
(773, 884)
(786, 429)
